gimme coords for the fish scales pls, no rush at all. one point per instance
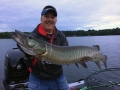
(67, 55)
(58, 54)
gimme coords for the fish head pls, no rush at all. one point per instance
(25, 39)
(29, 43)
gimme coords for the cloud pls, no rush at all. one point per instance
(72, 15)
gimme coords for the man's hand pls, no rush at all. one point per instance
(85, 60)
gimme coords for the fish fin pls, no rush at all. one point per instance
(83, 64)
(44, 66)
(77, 65)
(105, 64)
(43, 62)
(96, 47)
(106, 57)
(98, 64)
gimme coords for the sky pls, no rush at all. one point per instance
(24, 15)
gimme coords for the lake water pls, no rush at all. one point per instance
(109, 45)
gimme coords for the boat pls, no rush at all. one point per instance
(16, 72)
(16, 75)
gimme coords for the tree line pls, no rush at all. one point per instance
(114, 31)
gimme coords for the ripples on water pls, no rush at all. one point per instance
(109, 45)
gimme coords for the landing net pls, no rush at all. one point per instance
(107, 79)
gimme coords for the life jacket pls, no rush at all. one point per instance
(44, 69)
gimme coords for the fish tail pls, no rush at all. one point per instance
(96, 47)
(105, 64)
(98, 64)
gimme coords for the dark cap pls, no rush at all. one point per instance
(49, 8)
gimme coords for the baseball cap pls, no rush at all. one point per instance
(49, 8)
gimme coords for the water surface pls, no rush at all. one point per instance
(109, 45)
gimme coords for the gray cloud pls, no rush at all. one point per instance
(72, 15)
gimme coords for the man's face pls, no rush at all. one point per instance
(48, 21)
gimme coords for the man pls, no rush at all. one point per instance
(45, 75)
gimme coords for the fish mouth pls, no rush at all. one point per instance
(19, 37)
(22, 41)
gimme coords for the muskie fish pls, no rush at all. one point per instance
(58, 54)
